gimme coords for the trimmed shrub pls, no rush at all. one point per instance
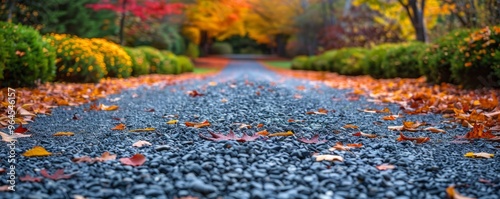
(171, 62)
(435, 61)
(192, 51)
(299, 62)
(140, 65)
(118, 62)
(25, 57)
(221, 48)
(477, 62)
(185, 63)
(78, 60)
(155, 59)
(373, 62)
(347, 61)
(403, 60)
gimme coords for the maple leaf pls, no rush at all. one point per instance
(20, 129)
(314, 140)
(435, 130)
(229, 136)
(453, 194)
(479, 155)
(288, 133)
(37, 151)
(477, 132)
(197, 125)
(28, 178)
(106, 156)
(141, 143)
(143, 130)
(419, 140)
(350, 126)
(329, 158)
(64, 134)
(120, 126)
(136, 160)
(364, 134)
(173, 122)
(58, 175)
(195, 93)
(384, 167)
(320, 111)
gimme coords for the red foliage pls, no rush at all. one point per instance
(147, 9)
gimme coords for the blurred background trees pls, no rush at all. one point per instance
(282, 27)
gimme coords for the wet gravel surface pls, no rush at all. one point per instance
(180, 163)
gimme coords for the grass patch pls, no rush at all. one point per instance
(279, 64)
(203, 70)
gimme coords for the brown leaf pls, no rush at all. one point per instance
(320, 111)
(453, 194)
(314, 140)
(195, 93)
(230, 136)
(28, 178)
(197, 125)
(364, 135)
(260, 125)
(350, 126)
(339, 146)
(64, 134)
(58, 175)
(419, 140)
(106, 156)
(37, 151)
(288, 133)
(136, 160)
(478, 132)
(119, 127)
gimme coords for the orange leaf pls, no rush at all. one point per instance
(197, 125)
(109, 108)
(453, 194)
(260, 125)
(364, 135)
(384, 167)
(350, 126)
(64, 134)
(419, 140)
(390, 117)
(339, 146)
(263, 133)
(478, 132)
(106, 156)
(37, 151)
(136, 160)
(320, 111)
(119, 127)
(288, 133)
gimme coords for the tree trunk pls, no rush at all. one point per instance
(416, 14)
(204, 43)
(122, 22)
(281, 40)
(11, 10)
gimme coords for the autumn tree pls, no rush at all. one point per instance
(214, 19)
(474, 14)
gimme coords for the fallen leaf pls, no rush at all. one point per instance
(230, 136)
(243, 126)
(288, 133)
(37, 151)
(195, 93)
(314, 140)
(478, 132)
(212, 83)
(297, 96)
(119, 127)
(320, 111)
(384, 167)
(223, 100)
(106, 156)
(28, 178)
(197, 125)
(150, 110)
(58, 175)
(173, 122)
(419, 140)
(350, 126)
(479, 155)
(85, 159)
(453, 194)
(64, 134)
(143, 130)
(5, 188)
(329, 158)
(260, 125)
(339, 146)
(364, 135)
(435, 130)
(141, 143)
(20, 129)
(390, 117)
(136, 160)
(263, 133)
(109, 108)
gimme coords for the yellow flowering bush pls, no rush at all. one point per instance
(118, 62)
(155, 59)
(477, 62)
(140, 65)
(77, 59)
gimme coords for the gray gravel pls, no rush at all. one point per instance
(180, 163)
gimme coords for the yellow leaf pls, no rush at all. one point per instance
(143, 130)
(288, 133)
(37, 151)
(64, 134)
(172, 122)
(479, 155)
(109, 108)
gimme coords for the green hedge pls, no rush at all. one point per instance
(185, 63)
(172, 63)
(155, 59)
(140, 65)
(347, 61)
(403, 60)
(373, 63)
(299, 62)
(25, 57)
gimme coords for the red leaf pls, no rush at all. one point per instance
(28, 178)
(59, 174)
(195, 93)
(314, 140)
(230, 136)
(418, 139)
(20, 129)
(136, 160)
